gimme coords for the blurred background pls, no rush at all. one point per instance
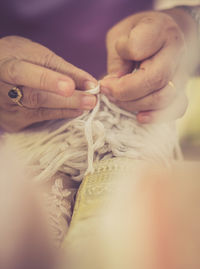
(189, 125)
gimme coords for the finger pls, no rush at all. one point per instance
(115, 64)
(137, 42)
(25, 117)
(175, 111)
(43, 114)
(19, 72)
(36, 99)
(37, 54)
(140, 43)
(45, 57)
(157, 100)
(154, 74)
(82, 79)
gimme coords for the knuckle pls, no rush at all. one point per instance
(36, 99)
(173, 31)
(43, 80)
(49, 58)
(149, 19)
(113, 63)
(11, 70)
(53, 61)
(157, 79)
(175, 36)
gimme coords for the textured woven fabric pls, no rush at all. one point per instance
(83, 244)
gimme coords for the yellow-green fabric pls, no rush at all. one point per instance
(189, 125)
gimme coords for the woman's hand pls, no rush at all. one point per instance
(52, 88)
(158, 45)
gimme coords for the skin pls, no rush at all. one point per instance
(52, 87)
(158, 45)
(159, 41)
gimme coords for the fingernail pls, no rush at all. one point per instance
(88, 101)
(89, 85)
(63, 86)
(144, 118)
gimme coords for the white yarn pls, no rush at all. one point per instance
(88, 131)
(72, 146)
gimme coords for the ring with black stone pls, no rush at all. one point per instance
(16, 95)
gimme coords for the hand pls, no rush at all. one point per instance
(52, 88)
(157, 43)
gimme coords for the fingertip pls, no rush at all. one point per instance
(105, 84)
(144, 117)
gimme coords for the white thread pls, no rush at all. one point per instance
(88, 131)
(71, 146)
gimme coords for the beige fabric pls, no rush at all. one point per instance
(164, 4)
